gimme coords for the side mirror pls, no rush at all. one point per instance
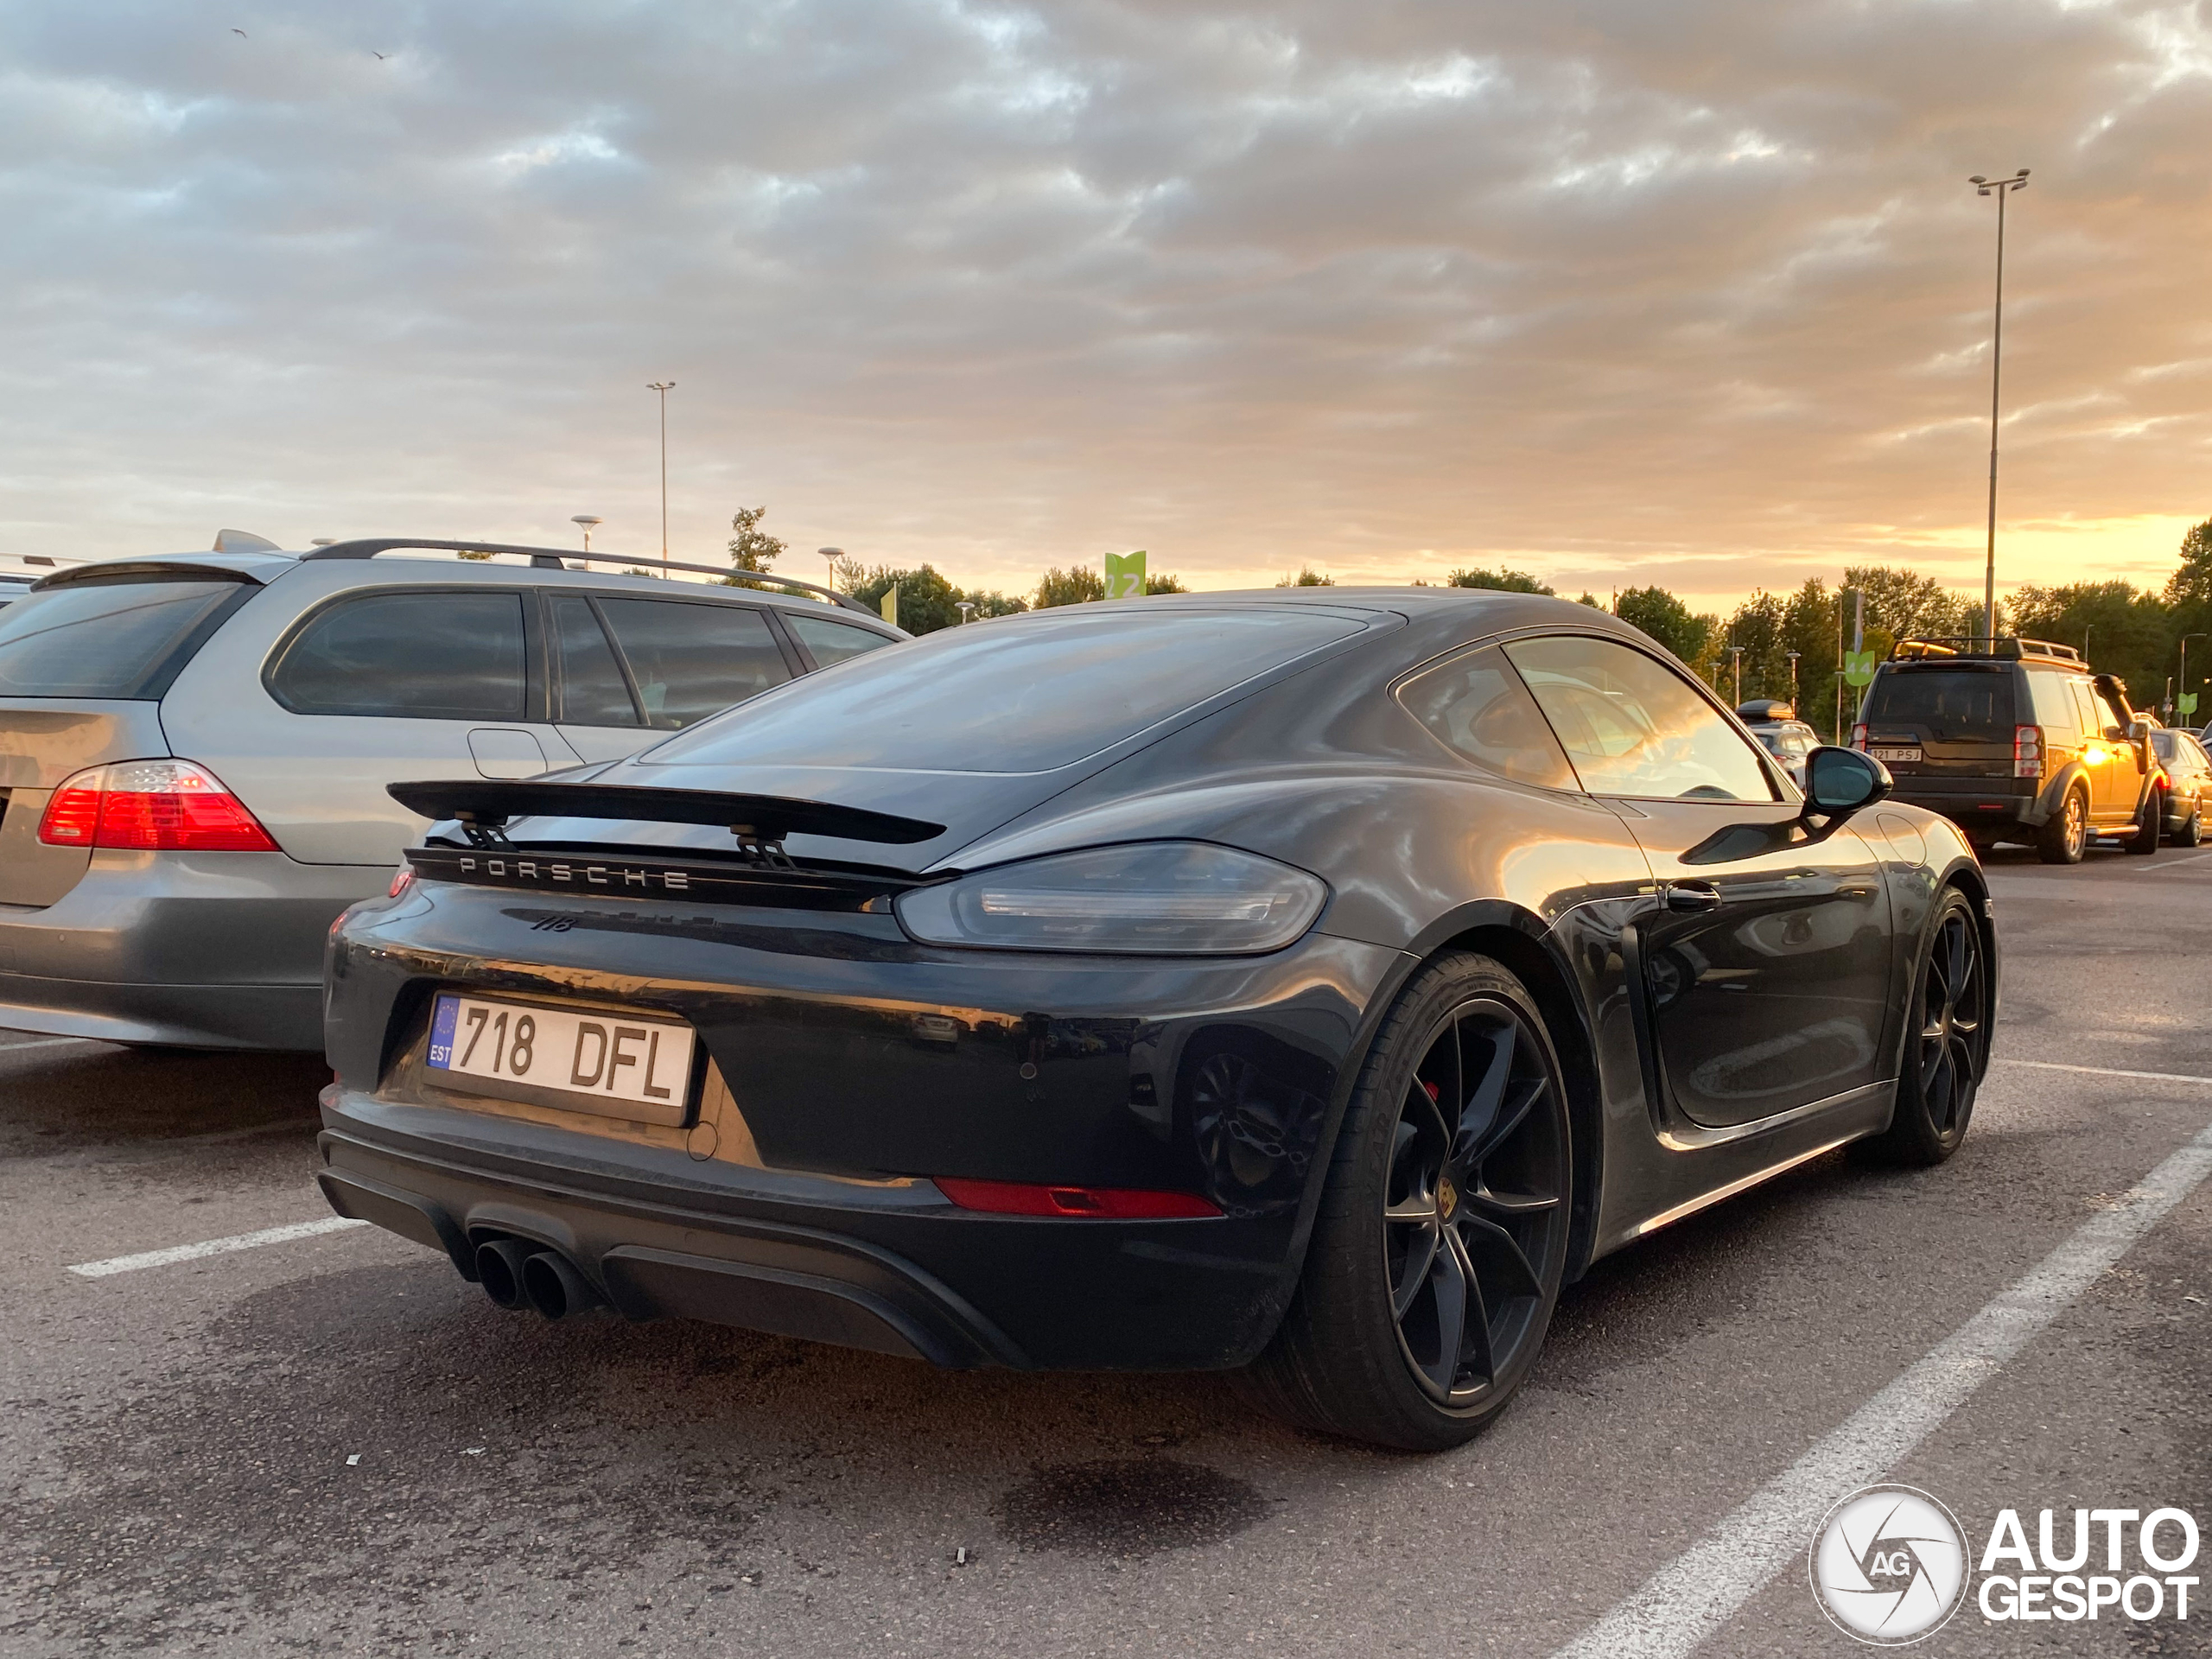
(2139, 732)
(1841, 781)
(2117, 734)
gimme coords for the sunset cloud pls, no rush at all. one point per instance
(1623, 292)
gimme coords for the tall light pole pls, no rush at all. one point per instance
(1736, 652)
(1793, 656)
(832, 553)
(585, 522)
(664, 387)
(2001, 188)
(2183, 680)
(967, 609)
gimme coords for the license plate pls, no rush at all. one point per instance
(1892, 753)
(612, 1065)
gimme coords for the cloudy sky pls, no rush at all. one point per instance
(1616, 290)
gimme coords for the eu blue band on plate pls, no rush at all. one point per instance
(442, 1025)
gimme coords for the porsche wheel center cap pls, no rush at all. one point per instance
(1447, 1197)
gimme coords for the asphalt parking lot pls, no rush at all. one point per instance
(331, 1443)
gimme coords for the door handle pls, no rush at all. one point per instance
(1692, 895)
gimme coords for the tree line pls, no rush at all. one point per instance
(1784, 646)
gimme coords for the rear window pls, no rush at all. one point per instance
(1024, 695)
(833, 642)
(1974, 704)
(124, 639)
(690, 660)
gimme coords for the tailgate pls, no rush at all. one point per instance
(42, 740)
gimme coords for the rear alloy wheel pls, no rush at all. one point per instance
(1945, 1059)
(2149, 824)
(2192, 832)
(1437, 1256)
(2065, 836)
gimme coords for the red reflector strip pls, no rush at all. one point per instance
(1087, 1203)
(73, 818)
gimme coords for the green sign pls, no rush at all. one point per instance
(1859, 667)
(2186, 703)
(1125, 575)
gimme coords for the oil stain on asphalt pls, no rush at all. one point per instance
(1128, 1507)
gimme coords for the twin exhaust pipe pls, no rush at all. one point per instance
(518, 1274)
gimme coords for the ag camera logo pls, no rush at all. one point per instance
(1889, 1564)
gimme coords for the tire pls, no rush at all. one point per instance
(1946, 1044)
(2191, 834)
(2149, 824)
(2065, 835)
(1441, 1243)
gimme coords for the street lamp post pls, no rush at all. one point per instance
(832, 553)
(967, 609)
(587, 523)
(1793, 656)
(1737, 653)
(2182, 681)
(2001, 188)
(664, 387)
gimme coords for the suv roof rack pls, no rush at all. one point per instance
(1922, 647)
(556, 558)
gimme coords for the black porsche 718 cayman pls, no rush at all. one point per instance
(1309, 981)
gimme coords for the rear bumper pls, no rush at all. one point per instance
(1982, 803)
(206, 950)
(888, 1266)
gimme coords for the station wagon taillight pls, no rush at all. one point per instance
(2027, 751)
(151, 806)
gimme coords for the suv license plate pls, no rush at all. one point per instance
(611, 1065)
(1889, 752)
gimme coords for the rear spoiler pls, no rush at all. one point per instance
(484, 806)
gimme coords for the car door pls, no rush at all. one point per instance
(370, 688)
(2109, 760)
(1764, 951)
(629, 671)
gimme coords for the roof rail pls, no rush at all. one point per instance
(1920, 647)
(556, 558)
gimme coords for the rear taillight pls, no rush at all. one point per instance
(1087, 1203)
(1858, 735)
(400, 882)
(151, 806)
(2027, 751)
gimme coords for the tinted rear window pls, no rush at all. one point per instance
(1025, 694)
(436, 655)
(1974, 704)
(107, 639)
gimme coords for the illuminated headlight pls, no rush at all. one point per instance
(1156, 898)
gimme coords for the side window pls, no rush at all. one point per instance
(834, 642)
(1476, 704)
(1633, 726)
(425, 656)
(690, 661)
(593, 690)
(2054, 709)
(2108, 716)
(2085, 707)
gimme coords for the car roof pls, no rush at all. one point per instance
(266, 568)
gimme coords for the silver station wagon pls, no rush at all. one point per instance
(194, 750)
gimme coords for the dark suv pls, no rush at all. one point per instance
(2014, 740)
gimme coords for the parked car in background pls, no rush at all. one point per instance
(2188, 769)
(193, 751)
(2015, 740)
(1781, 733)
(1311, 980)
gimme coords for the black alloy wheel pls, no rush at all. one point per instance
(1441, 1242)
(1947, 1044)
(2065, 837)
(2191, 832)
(1476, 1192)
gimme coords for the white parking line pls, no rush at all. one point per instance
(214, 1247)
(1694, 1595)
(45, 1042)
(2102, 1071)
